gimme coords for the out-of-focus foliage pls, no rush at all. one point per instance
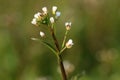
(95, 31)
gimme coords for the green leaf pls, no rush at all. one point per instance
(46, 44)
(50, 47)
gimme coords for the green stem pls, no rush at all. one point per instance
(62, 49)
(64, 39)
(60, 61)
(54, 38)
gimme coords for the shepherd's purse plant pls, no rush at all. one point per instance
(50, 20)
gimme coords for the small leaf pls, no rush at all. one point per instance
(49, 46)
(34, 39)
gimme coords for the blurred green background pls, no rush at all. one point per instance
(95, 32)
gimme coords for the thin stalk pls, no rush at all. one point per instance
(62, 49)
(60, 61)
(64, 39)
(55, 39)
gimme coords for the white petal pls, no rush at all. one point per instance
(34, 21)
(51, 19)
(37, 15)
(66, 24)
(54, 8)
(70, 23)
(42, 34)
(44, 9)
(69, 44)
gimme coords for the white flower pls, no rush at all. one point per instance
(54, 8)
(52, 20)
(34, 21)
(42, 34)
(37, 15)
(69, 67)
(68, 25)
(44, 10)
(58, 14)
(69, 44)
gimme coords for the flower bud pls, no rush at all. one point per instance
(68, 25)
(69, 44)
(54, 8)
(37, 15)
(57, 14)
(52, 20)
(42, 34)
(34, 21)
(44, 10)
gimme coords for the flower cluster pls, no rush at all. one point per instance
(44, 18)
(40, 18)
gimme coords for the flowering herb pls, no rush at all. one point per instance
(45, 19)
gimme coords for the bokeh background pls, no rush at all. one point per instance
(95, 31)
